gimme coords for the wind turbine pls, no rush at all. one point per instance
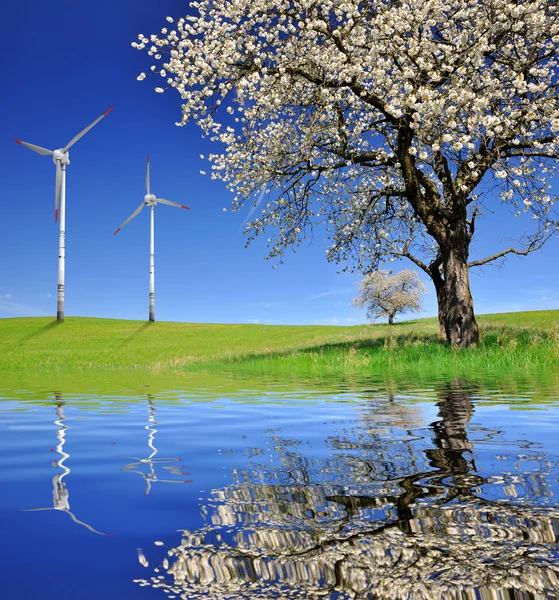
(151, 201)
(61, 159)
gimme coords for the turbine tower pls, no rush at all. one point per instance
(151, 201)
(61, 158)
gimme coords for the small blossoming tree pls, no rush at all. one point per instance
(393, 124)
(386, 295)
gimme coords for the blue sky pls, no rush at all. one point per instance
(64, 64)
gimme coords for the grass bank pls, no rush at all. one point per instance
(509, 341)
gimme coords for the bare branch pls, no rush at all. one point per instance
(535, 244)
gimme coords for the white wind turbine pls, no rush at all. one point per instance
(61, 158)
(151, 201)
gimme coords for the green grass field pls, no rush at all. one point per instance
(513, 340)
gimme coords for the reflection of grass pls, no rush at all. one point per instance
(509, 341)
(91, 389)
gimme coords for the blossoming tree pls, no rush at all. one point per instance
(394, 124)
(386, 295)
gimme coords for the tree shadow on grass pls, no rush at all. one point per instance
(41, 331)
(396, 323)
(377, 344)
(138, 332)
(491, 338)
(386, 341)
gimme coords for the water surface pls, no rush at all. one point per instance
(235, 488)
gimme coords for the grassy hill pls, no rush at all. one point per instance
(525, 340)
(84, 343)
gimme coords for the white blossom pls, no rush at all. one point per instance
(321, 91)
(386, 295)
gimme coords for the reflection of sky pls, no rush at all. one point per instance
(233, 450)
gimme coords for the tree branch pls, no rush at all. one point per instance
(472, 221)
(534, 245)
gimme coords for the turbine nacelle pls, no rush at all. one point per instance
(61, 156)
(150, 200)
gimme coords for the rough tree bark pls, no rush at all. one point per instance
(391, 319)
(460, 323)
(441, 303)
(433, 270)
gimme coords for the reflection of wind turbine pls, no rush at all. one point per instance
(60, 491)
(151, 201)
(61, 159)
(151, 461)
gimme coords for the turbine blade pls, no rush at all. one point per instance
(147, 176)
(57, 189)
(84, 131)
(37, 149)
(134, 214)
(169, 203)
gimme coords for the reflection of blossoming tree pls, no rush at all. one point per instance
(60, 493)
(372, 521)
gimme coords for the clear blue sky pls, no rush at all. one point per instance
(64, 64)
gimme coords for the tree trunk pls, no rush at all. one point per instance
(391, 319)
(441, 305)
(460, 323)
(435, 274)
